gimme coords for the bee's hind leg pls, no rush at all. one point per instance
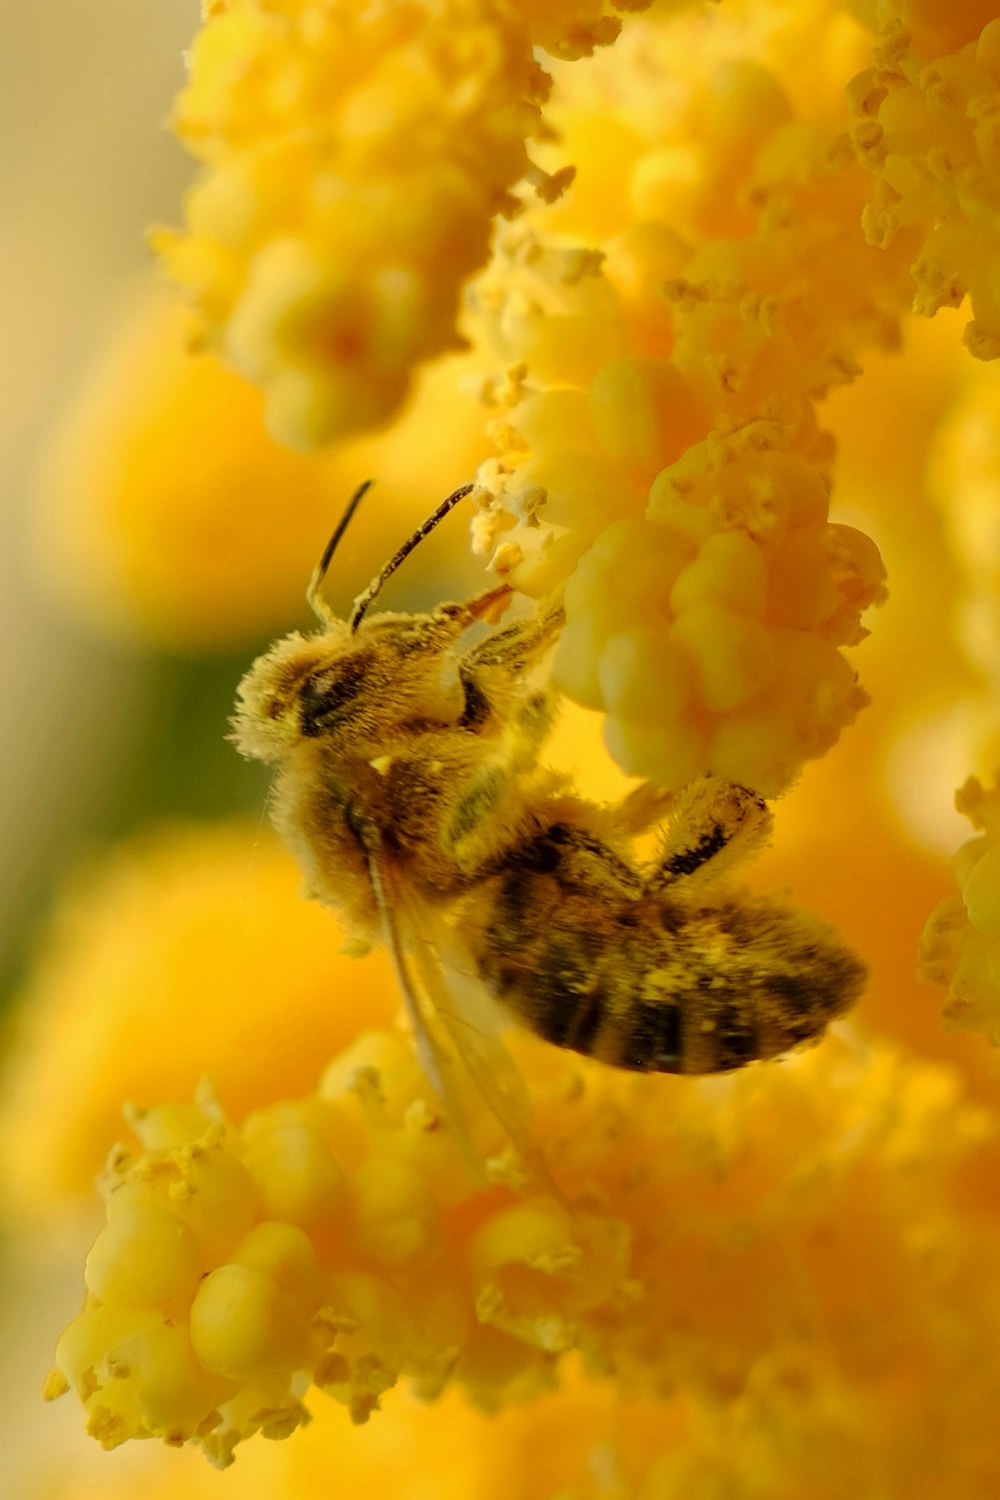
(714, 824)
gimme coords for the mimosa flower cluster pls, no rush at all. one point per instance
(354, 159)
(659, 443)
(930, 133)
(343, 1241)
(960, 948)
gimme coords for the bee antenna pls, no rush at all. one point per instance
(373, 590)
(318, 605)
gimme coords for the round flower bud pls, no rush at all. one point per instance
(285, 1254)
(144, 1257)
(297, 1176)
(396, 1220)
(243, 1325)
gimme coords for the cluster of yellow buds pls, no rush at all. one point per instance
(354, 159)
(722, 655)
(345, 1240)
(960, 947)
(656, 429)
(315, 1245)
(929, 130)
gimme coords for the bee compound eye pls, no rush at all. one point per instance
(327, 696)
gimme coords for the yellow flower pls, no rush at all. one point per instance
(722, 655)
(797, 1220)
(354, 159)
(167, 515)
(657, 425)
(929, 130)
(960, 947)
(188, 952)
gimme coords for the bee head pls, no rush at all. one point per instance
(294, 689)
(356, 680)
(350, 688)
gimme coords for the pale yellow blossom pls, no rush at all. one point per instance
(165, 514)
(960, 946)
(929, 131)
(796, 1218)
(354, 158)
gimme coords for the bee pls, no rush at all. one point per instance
(410, 790)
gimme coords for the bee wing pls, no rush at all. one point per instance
(438, 994)
(470, 1017)
(434, 1059)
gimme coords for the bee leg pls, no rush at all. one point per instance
(487, 606)
(483, 816)
(489, 673)
(714, 824)
(520, 645)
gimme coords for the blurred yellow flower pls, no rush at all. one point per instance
(929, 130)
(354, 158)
(166, 515)
(186, 953)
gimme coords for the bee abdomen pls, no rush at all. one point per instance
(662, 987)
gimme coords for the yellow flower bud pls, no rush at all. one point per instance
(395, 1218)
(144, 1257)
(730, 571)
(297, 1176)
(284, 1253)
(734, 658)
(243, 1325)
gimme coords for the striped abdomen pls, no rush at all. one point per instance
(574, 944)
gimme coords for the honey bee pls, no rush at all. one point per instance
(409, 788)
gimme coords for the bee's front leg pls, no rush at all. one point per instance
(491, 671)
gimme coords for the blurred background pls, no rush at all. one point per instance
(155, 539)
(88, 165)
